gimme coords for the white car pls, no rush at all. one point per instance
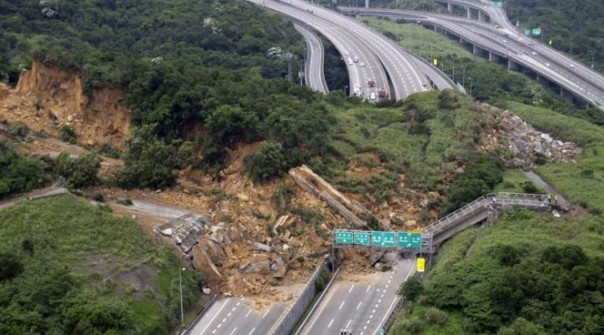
(547, 64)
(361, 64)
(372, 96)
(356, 59)
(534, 53)
(572, 65)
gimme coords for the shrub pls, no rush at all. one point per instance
(529, 187)
(78, 172)
(19, 174)
(148, 161)
(10, 267)
(435, 316)
(411, 289)
(413, 326)
(68, 134)
(267, 162)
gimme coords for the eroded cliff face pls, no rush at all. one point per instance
(46, 98)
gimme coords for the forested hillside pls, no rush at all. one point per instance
(574, 27)
(526, 273)
(104, 38)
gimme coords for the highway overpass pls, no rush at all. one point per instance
(584, 86)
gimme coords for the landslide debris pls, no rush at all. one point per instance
(259, 239)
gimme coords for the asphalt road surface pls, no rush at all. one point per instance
(361, 307)
(231, 316)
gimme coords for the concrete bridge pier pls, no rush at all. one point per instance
(512, 65)
(493, 57)
(468, 12)
(366, 3)
(476, 50)
(449, 7)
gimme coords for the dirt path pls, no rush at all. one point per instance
(37, 194)
(535, 178)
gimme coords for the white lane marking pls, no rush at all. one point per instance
(213, 331)
(212, 320)
(327, 298)
(238, 303)
(330, 322)
(234, 308)
(252, 331)
(348, 324)
(219, 325)
(223, 320)
(359, 305)
(342, 304)
(229, 314)
(248, 313)
(368, 287)
(233, 331)
(265, 314)
(351, 287)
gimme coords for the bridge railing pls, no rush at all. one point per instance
(499, 199)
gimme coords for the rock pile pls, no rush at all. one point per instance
(528, 145)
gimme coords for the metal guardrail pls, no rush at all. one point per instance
(187, 330)
(333, 278)
(501, 199)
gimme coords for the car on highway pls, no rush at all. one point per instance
(361, 64)
(356, 59)
(547, 64)
(534, 53)
(572, 65)
(372, 96)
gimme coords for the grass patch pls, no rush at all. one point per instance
(77, 258)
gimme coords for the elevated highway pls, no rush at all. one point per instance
(361, 62)
(572, 78)
(314, 76)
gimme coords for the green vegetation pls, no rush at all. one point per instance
(418, 139)
(108, 40)
(19, 174)
(85, 272)
(527, 266)
(574, 27)
(479, 177)
(78, 172)
(527, 273)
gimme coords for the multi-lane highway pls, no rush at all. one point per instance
(232, 316)
(361, 61)
(361, 306)
(313, 67)
(405, 74)
(567, 73)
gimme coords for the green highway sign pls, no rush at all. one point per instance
(361, 239)
(416, 240)
(409, 240)
(404, 239)
(384, 239)
(344, 237)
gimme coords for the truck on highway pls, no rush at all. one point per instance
(371, 82)
(349, 60)
(357, 90)
(382, 93)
